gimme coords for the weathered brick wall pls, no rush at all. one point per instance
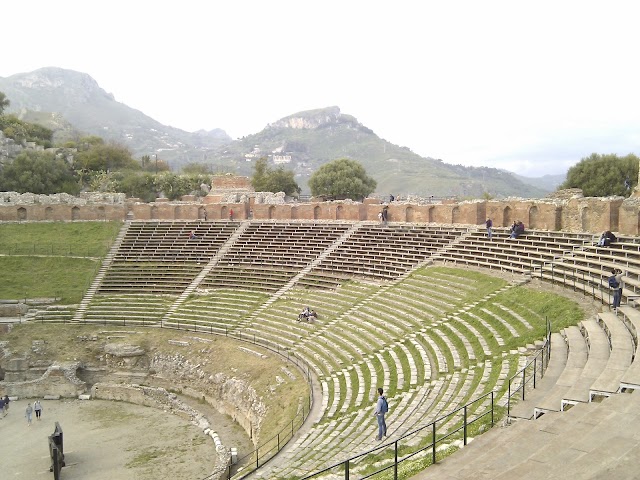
(570, 213)
(230, 182)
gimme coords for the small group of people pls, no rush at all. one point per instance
(606, 239)
(383, 215)
(307, 314)
(37, 407)
(517, 229)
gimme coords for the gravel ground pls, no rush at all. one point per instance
(104, 441)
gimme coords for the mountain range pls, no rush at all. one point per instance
(72, 104)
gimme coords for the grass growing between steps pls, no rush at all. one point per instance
(83, 239)
(537, 306)
(52, 277)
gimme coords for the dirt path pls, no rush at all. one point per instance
(104, 441)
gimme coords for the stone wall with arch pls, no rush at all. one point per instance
(575, 213)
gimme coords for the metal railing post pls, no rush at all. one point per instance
(465, 425)
(395, 462)
(433, 449)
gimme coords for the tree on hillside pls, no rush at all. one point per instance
(266, 179)
(4, 102)
(38, 172)
(604, 175)
(342, 178)
(20, 131)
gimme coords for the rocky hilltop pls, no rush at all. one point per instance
(72, 103)
(51, 95)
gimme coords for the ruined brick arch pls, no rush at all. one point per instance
(558, 225)
(455, 215)
(584, 219)
(506, 217)
(177, 212)
(102, 214)
(75, 213)
(48, 213)
(154, 213)
(272, 212)
(431, 214)
(224, 212)
(201, 213)
(316, 213)
(533, 217)
(408, 214)
(339, 212)
(22, 213)
(614, 217)
(294, 213)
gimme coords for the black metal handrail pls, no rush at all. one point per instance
(539, 361)
(396, 445)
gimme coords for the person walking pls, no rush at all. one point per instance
(382, 407)
(27, 414)
(489, 225)
(37, 407)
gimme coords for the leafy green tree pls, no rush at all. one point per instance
(195, 168)
(20, 131)
(604, 175)
(342, 178)
(38, 172)
(101, 157)
(266, 179)
(140, 185)
(4, 102)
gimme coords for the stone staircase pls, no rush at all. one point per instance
(106, 264)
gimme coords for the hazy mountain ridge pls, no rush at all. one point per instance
(302, 142)
(91, 110)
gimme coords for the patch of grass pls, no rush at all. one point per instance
(91, 239)
(54, 277)
(146, 456)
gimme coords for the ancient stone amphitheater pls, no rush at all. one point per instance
(446, 346)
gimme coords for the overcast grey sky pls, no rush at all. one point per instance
(531, 87)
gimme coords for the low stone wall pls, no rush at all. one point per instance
(168, 402)
(57, 380)
(571, 212)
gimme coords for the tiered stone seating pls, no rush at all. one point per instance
(533, 249)
(385, 252)
(219, 311)
(429, 367)
(56, 313)
(434, 340)
(159, 257)
(589, 268)
(592, 440)
(128, 309)
(170, 242)
(269, 254)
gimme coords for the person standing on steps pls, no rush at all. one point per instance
(382, 407)
(615, 283)
(489, 225)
